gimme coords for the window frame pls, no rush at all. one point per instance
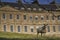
(18, 16)
(25, 28)
(11, 16)
(4, 28)
(54, 28)
(4, 16)
(19, 29)
(11, 28)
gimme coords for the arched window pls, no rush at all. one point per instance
(42, 17)
(36, 17)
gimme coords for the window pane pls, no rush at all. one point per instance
(30, 17)
(52, 17)
(47, 17)
(42, 17)
(17, 16)
(10, 16)
(24, 17)
(4, 28)
(3, 16)
(36, 17)
(54, 30)
(48, 27)
(18, 28)
(58, 28)
(11, 28)
(31, 29)
(25, 27)
(59, 17)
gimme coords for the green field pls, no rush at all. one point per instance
(16, 36)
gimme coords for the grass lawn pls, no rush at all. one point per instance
(16, 36)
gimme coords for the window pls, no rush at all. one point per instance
(36, 17)
(52, 17)
(29, 8)
(24, 17)
(48, 28)
(0, 6)
(11, 28)
(25, 27)
(30, 17)
(40, 9)
(17, 16)
(4, 16)
(10, 16)
(59, 17)
(22, 8)
(18, 28)
(47, 17)
(34, 9)
(58, 28)
(54, 30)
(4, 28)
(42, 17)
(31, 29)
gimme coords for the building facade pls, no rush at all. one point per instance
(20, 21)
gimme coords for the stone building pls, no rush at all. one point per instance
(18, 19)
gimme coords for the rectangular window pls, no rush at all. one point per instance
(52, 17)
(59, 17)
(58, 28)
(47, 17)
(25, 27)
(18, 28)
(4, 28)
(48, 28)
(31, 29)
(54, 30)
(24, 17)
(10, 16)
(4, 16)
(11, 28)
(30, 17)
(17, 16)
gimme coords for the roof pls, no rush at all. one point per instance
(33, 7)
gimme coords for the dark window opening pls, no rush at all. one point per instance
(4, 28)
(17, 16)
(10, 16)
(24, 17)
(31, 29)
(25, 27)
(4, 16)
(54, 30)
